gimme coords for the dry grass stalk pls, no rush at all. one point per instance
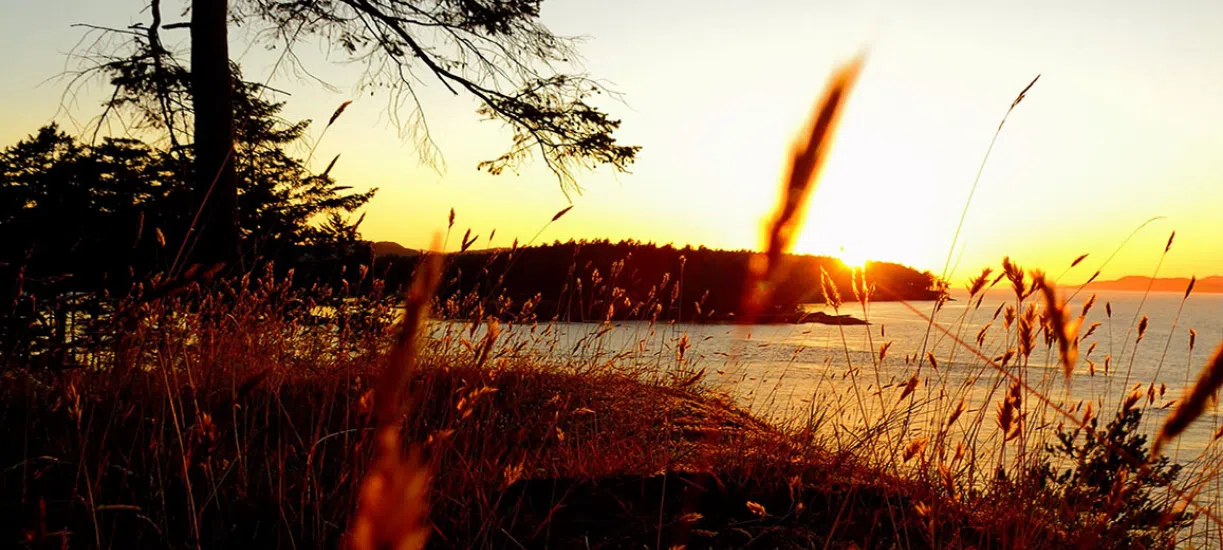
(997, 280)
(401, 362)
(832, 296)
(1091, 329)
(1087, 306)
(562, 212)
(1008, 417)
(948, 480)
(1132, 399)
(805, 166)
(955, 414)
(330, 165)
(910, 386)
(978, 283)
(1005, 416)
(1006, 357)
(490, 338)
(691, 517)
(338, 111)
(859, 286)
(1014, 273)
(981, 334)
(1063, 329)
(1194, 402)
(1027, 330)
(468, 240)
(392, 501)
(915, 448)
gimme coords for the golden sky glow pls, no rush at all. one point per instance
(1124, 125)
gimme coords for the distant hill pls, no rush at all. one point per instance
(1163, 284)
(388, 248)
(599, 280)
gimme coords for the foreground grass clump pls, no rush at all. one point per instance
(543, 459)
(252, 424)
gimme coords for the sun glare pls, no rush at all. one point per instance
(853, 259)
(881, 197)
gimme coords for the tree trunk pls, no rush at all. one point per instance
(215, 235)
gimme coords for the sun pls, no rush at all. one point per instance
(854, 259)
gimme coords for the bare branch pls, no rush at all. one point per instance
(497, 52)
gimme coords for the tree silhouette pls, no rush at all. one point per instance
(81, 222)
(216, 181)
(600, 280)
(497, 52)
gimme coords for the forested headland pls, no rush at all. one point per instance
(594, 280)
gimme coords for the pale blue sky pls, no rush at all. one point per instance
(1124, 125)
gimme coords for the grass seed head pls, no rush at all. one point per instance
(1194, 403)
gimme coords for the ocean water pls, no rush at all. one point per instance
(830, 380)
(788, 373)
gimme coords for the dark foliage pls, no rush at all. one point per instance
(600, 280)
(1106, 493)
(81, 223)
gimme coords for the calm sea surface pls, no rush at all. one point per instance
(779, 371)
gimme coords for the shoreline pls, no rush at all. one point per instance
(798, 318)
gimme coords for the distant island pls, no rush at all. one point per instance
(1139, 283)
(631, 280)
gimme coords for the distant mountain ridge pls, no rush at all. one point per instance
(1213, 284)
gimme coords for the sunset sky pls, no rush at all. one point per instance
(1125, 124)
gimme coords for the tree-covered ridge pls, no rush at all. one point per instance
(597, 280)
